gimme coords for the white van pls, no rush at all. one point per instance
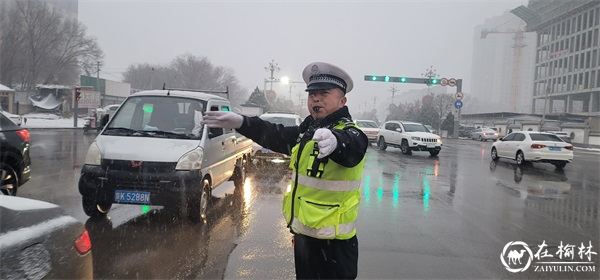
(155, 150)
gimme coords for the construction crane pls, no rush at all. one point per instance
(519, 44)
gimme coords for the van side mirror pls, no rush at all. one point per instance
(103, 121)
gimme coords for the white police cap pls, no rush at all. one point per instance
(321, 75)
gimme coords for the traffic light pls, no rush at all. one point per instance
(77, 93)
(402, 79)
(377, 78)
(432, 81)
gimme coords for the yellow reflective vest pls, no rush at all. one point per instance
(323, 202)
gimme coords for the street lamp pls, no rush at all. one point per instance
(430, 73)
(287, 81)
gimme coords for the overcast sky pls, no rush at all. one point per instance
(397, 38)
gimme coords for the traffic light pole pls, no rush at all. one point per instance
(457, 111)
(75, 108)
(429, 81)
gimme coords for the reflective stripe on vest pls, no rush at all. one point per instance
(327, 185)
(322, 233)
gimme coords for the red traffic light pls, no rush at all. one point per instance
(77, 93)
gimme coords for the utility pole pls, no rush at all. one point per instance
(393, 90)
(375, 103)
(273, 67)
(98, 83)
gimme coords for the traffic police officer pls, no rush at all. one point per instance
(327, 157)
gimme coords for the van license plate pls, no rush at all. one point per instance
(554, 148)
(132, 197)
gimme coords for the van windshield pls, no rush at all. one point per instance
(159, 116)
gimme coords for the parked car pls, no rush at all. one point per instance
(465, 131)
(15, 163)
(370, 128)
(38, 241)
(13, 117)
(260, 154)
(562, 135)
(156, 150)
(408, 136)
(484, 134)
(533, 146)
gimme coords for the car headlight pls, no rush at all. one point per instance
(192, 160)
(415, 138)
(93, 156)
(439, 139)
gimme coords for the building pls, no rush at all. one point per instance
(111, 92)
(567, 65)
(502, 67)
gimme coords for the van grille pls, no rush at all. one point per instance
(138, 166)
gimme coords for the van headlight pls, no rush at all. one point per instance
(192, 160)
(416, 138)
(93, 156)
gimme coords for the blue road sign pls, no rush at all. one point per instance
(458, 104)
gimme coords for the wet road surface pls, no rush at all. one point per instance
(421, 217)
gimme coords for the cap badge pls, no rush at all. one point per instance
(314, 70)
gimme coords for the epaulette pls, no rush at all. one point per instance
(346, 120)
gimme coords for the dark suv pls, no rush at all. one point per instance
(14, 156)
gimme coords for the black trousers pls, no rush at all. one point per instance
(325, 259)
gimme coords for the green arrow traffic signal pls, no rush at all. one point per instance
(402, 79)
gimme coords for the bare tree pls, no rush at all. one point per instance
(442, 104)
(189, 72)
(45, 46)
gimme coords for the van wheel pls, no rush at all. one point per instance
(381, 143)
(93, 208)
(198, 204)
(9, 181)
(239, 176)
(405, 149)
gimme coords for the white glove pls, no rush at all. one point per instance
(326, 141)
(228, 120)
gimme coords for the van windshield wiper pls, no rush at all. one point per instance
(170, 134)
(129, 131)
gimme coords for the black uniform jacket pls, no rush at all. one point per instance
(352, 142)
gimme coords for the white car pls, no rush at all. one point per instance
(534, 146)
(15, 118)
(484, 134)
(370, 128)
(408, 136)
(263, 154)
